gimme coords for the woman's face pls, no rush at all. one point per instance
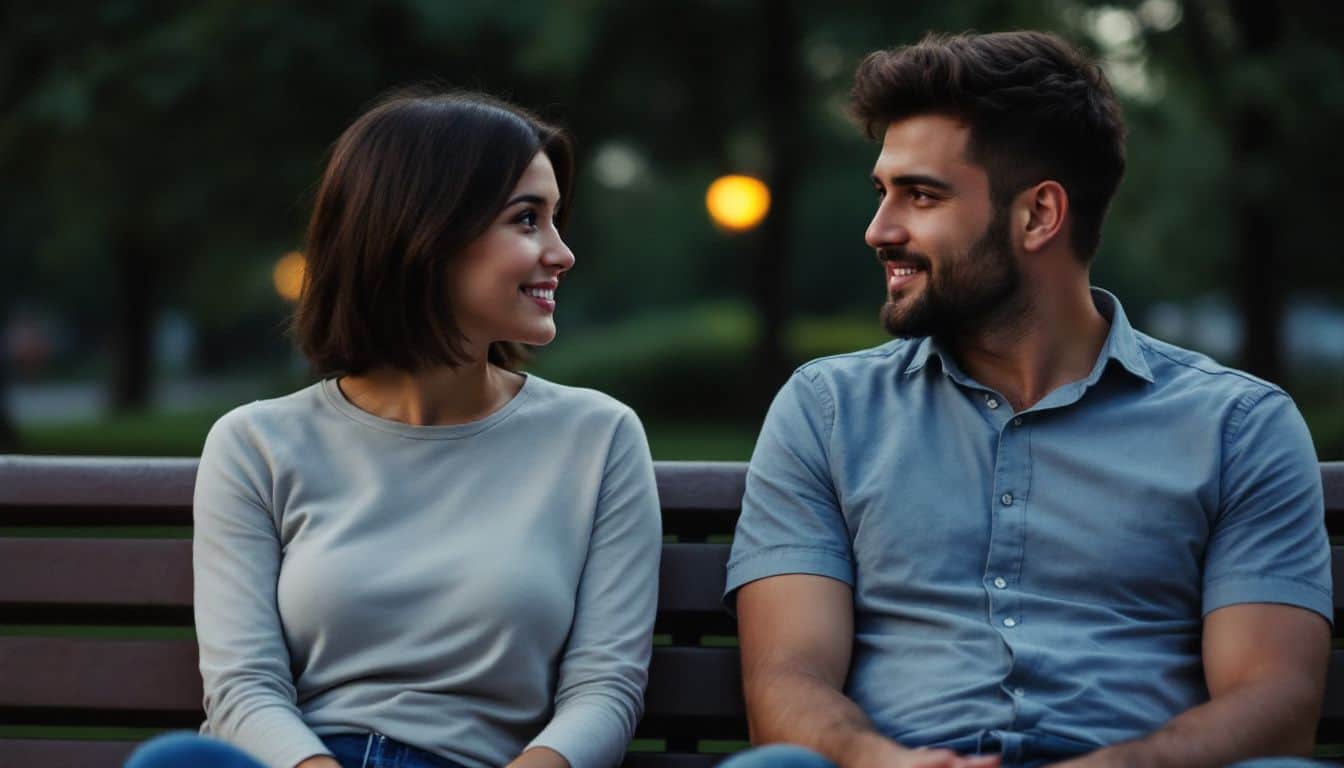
(505, 283)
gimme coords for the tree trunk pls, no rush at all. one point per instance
(137, 275)
(1261, 289)
(782, 88)
(9, 436)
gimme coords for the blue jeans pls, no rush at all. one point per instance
(355, 750)
(1015, 752)
(790, 756)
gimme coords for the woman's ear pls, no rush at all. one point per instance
(1046, 205)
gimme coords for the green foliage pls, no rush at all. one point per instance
(131, 434)
(192, 135)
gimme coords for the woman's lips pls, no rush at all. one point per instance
(542, 293)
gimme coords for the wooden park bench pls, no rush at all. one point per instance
(97, 651)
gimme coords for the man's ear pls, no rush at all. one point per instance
(1044, 206)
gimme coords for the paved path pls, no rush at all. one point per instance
(87, 400)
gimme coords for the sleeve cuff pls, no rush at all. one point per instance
(587, 734)
(777, 561)
(276, 737)
(1236, 590)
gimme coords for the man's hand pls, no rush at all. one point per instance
(875, 751)
(319, 761)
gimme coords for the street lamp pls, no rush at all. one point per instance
(288, 276)
(737, 203)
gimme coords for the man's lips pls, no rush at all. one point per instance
(901, 274)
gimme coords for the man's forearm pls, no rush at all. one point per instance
(798, 708)
(1268, 718)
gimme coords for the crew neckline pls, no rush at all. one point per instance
(336, 399)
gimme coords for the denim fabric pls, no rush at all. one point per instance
(790, 756)
(374, 750)
(1037, 578)
(777, 756)
(355, 750)
(187, 748)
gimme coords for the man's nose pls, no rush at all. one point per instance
(885, 231)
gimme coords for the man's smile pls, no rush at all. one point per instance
(901, 274)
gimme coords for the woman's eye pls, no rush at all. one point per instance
(528, 219)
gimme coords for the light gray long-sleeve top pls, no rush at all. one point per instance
(472, 590)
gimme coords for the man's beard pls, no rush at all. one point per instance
(965, 295)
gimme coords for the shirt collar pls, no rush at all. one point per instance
(1122, 345)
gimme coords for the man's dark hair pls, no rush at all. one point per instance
(1037, 109)
(410, 184)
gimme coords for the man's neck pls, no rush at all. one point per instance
(435, 397)
(1053, 341)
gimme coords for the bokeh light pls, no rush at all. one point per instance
(288, 276)
(737, 203)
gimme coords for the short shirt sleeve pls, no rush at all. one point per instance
(1269, 543)
(791, 520)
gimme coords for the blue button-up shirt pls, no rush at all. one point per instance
(1035, 577)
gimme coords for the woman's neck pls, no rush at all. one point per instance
(441, 396)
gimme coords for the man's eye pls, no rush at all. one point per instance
(881, 193)
(920, 196)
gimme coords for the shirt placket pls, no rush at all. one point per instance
(1003, 565)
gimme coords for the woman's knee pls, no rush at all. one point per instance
(777, 756)
(172, 750)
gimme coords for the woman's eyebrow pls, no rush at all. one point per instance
(531, 199)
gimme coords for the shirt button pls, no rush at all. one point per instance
(1017, 422)
(1019, 693)
(1010, 622)
(1007, 499)
(992, 403)
(1000, 583)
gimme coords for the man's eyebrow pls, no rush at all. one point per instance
(916, 180)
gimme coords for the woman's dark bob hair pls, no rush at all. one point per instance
(411, 183)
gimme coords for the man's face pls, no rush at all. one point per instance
(946, 252)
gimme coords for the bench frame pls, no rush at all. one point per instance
(76, 551)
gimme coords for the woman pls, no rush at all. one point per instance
(428, 554)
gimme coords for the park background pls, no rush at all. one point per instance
(158, 159)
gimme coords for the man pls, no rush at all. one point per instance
(1022, 533)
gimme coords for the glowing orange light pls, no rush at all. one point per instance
(737, 203)
(288, 276)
